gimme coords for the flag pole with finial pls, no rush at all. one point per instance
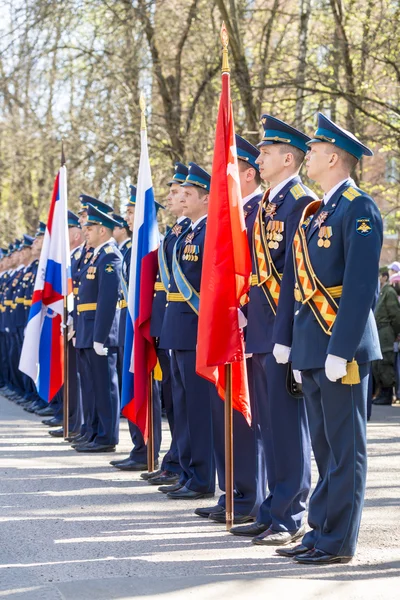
(228, 414)
(66, 381)
(150, 408)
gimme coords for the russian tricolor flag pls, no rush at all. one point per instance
(42, 350)
(140, 354)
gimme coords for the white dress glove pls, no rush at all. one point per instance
(242, 319)
(74, 341)
(297, 376)
(335, 367)
(99, 349)
(281, 354)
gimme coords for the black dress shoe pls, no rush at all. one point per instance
(319, 557)
(72, 437)
(82, 442)
(45, 412)
(59, 433)
(291, 552)
(93, 447)
(165, 477)
(52, 422)
(238, 518)
(278, 538)
(185, 494)
(130, 465)
(208, 510)
(250, 530)
(117, 461)
(165, 489)
(150, 474)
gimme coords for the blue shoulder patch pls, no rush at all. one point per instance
(363, 226)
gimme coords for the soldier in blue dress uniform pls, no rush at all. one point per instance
(192, 395)
(248, 459)
(4, 279)
(97, 325)
(137, 459)
(83, 256)
(282, 418)
(122, 236)
(334, 273)
(75, 393)
(170, 468)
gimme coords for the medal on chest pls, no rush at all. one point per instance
(91, 272)
(324, 234)
(275, 233)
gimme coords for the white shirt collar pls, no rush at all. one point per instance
(247, 199)
(97, 250)
(273, 192)
(180, 219)
(194, 225)
(20, 267)
(328, 195)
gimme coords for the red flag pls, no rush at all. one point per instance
(226, 267)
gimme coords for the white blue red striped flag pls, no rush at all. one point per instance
(140, 355)
(42, 350)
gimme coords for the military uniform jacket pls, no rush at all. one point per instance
(29, 287)
(387, 316)
(351, 260)
(290, 203)
(160, 296)
(126, 252)
(10, 300)
(4, 280)
(98, 298)
(179, 329)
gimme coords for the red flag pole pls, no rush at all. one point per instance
(150, 427)
(228, 448)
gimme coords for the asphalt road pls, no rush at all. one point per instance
(74, 528)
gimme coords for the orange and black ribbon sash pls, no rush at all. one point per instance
(267, 275)
(308, 289)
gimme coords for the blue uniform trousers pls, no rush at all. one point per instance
(287, 449)
(4, 379)
(14, 356)
(192, 396)
(171, 458)
(103, 371)
(75, 396)
(139, 450)
(89, 417)
(337, 417)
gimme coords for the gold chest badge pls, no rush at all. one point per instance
(275, 233)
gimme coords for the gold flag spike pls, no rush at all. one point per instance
(225, 42)
(142, 104)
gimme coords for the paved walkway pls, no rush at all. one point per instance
(74, 528)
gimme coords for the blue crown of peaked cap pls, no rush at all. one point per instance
(279, 132)
(328, 131)
(180, 174)
(132, 197)
(86, 200)
(197, 177)
(41, 230)
(120, 220)
(98, 217)
(247, 152)
(27, 241)
(73, 220)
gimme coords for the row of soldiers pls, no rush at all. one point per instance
(314, 276)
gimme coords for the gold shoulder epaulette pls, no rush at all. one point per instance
(77, 255)
(108, 249)
(129, 244)
(297, 191)
(351, 193)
